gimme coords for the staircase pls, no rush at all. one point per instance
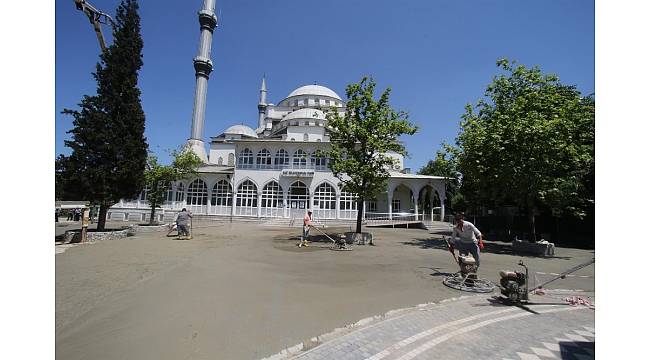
(438, 227)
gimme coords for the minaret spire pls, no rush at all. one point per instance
(202, 68)
(263, 91)
(261, 107)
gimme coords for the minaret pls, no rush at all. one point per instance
(203, 68)
(261, 107)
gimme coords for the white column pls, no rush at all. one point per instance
(363, 211)
(431, 204)
(390, 206)
(338, 206)
(234, 203)
(259, 204)
(285, 208)
(209, 206)
(442, 209)
(416, 199)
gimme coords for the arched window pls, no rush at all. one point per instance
(169, 193)
(247, 198)
(305, 137)
(231, 159)
(220, 161)
(222, 194)
(281, 159)
(325, 201)
(143, 193)
(245, 160)
(264, 159)
(272, 203)
(348, 205)
(318, 161)
(197, 193)
(299, 159)
(180, 192)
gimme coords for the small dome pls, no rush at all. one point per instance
(240, 130)
(305, 113)
(315, 90)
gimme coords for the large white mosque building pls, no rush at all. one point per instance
(273, 171)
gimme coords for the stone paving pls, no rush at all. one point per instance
(474, 327)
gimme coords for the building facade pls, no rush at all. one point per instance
(275, 171)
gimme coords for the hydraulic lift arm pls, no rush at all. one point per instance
(96, 17)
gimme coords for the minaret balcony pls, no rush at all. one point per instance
(202, 66)
(207, 20)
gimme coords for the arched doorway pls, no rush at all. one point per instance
(246, 199)
(298, 199)
(428, 203)
(272, 203)
(221, 198)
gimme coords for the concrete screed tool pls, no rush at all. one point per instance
(338, 245)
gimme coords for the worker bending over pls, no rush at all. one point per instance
(466, 238)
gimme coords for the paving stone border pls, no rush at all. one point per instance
(150, 228)
(74, 236)
(307, 345)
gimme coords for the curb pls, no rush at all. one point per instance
(308, 345)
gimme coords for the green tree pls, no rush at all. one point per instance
(360, 139)
(445, 164)
(529, 142)
(159, 178)
(109, 150)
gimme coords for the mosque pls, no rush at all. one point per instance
(273, 171)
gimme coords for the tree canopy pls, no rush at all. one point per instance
(109, 150)
(159, 178)
(445, 164)
(529, 142)
(361, 139)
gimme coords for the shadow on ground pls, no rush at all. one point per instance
(490, 247)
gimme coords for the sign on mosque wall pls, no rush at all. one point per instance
(298, 172)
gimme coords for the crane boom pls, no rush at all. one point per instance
(96, 17)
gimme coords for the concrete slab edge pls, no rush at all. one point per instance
(308, 345)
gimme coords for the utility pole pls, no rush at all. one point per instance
(96, 17)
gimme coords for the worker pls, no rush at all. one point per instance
(182, 221)
(466, 237)
(306, 225)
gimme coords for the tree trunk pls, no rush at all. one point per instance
(153, 213)
(359, 214)
(101, 219)
(531, 224)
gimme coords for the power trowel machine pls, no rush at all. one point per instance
(466, 279)
(514, 284)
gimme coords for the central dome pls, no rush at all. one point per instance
(240, 130)
(314, 90)
(306, 113)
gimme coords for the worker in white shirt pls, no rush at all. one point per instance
(467, 237)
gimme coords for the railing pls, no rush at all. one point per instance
(376, 217)
(290, 165)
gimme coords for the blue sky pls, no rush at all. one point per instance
(436, 56)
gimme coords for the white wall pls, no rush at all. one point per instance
(314, 133)
(221, 150)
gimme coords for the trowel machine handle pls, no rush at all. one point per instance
(450, 246)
